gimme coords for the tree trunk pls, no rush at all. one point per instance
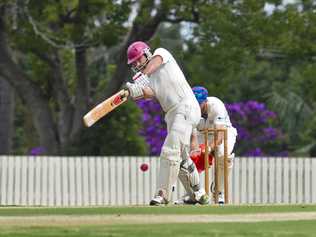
(7, 117)
(31, 94)
(82, 93)
(66, 109)
(82, 90)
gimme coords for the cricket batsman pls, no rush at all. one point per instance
(158, 75)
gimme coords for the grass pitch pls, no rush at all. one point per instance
(184, 221)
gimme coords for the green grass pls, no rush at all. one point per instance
(256, 229)
(228, 209)
(260, 229)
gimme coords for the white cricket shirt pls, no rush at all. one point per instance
(169, 83)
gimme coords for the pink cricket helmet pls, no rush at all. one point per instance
(136, 50)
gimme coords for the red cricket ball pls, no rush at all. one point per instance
(144, 167)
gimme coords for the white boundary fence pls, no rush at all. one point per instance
(85, 181)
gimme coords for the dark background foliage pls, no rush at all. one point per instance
(60, 58)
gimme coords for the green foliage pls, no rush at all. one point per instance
(25, 136)
(237, 50)
(308, 139)
(80, 22)
(47, 34)
(115, 134)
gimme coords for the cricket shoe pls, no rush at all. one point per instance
(204, 199)
(186, 200)
(158, 200)
(201, 197)
(221, 198)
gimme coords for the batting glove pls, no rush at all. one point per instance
(135, 91)
(141, 79)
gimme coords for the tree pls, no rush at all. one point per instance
(244, 52)
(57, 121)
(6, 121)
(52, 34)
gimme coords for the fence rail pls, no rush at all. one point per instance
(86, 181)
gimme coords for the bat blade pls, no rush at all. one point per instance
(105, 107)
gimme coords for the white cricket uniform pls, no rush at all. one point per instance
(218, 115)
(182, 114)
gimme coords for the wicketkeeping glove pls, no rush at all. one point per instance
(202, 124)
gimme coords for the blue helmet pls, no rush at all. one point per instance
(200, 93)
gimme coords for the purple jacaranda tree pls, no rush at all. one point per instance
(259, 133)
(258, 128)
(37, 151)
(154, 127)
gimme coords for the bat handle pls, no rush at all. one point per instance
(125, 93)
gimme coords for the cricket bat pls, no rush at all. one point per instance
(105, 107)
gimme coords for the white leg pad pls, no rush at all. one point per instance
(174, 150)
(189, 177)
(230, 162)
(168, 173)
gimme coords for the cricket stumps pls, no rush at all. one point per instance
(215, 132)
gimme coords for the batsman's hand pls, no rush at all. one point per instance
(141, 79)
(135, 91)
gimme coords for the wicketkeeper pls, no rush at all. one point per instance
(215, 115)
(158, 75)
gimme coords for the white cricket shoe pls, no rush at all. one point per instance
(221, 198)
(158, 200)
(186, 200)
(201, 197)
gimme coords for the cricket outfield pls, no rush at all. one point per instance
(242, 220)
